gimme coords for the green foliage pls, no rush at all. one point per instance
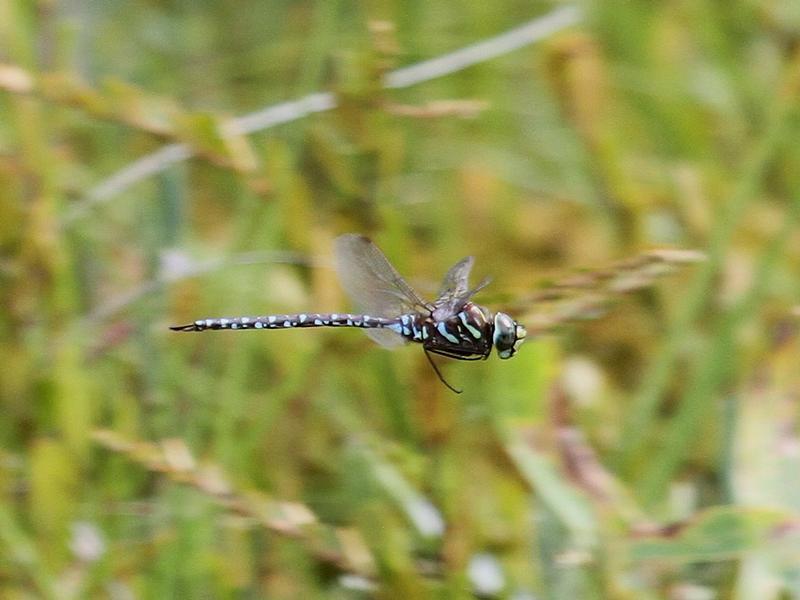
(642, 444)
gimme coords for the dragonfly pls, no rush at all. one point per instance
(393, 313)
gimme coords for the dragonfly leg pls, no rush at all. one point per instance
(439, 374)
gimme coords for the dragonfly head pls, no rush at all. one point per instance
(508, 335)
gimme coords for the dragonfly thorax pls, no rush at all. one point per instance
(465, 335)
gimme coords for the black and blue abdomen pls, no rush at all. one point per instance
(288, 321)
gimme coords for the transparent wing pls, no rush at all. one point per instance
(456, 280)
(374, 284)
(455, 291)
(385, 337)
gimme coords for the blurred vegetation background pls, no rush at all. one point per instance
(649, 452)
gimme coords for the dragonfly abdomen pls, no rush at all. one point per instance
(414, 327)
(290, 321)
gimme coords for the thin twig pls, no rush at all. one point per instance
(513, 39)
(285, 112)
(342, 547)
(188, 269)
(588, 294)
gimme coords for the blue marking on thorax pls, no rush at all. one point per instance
(442, 327)
(472, 330)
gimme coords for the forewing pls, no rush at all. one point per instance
(374, 285)
(370, 280)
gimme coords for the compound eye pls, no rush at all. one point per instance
(505, 335)
(505, 338)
